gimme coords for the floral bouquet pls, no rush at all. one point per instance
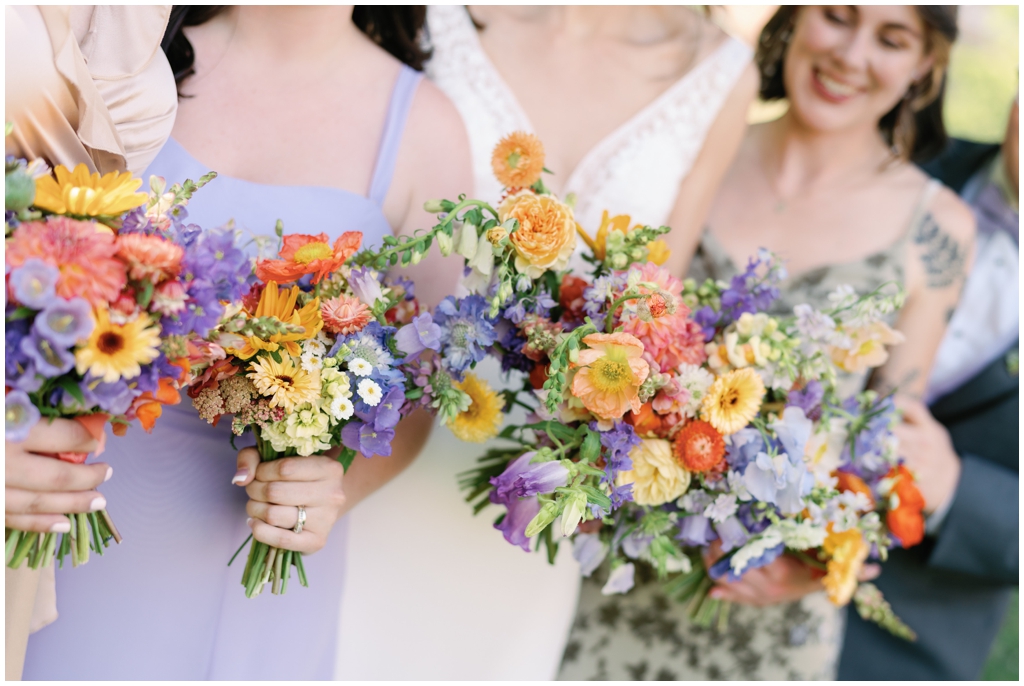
(663, 416)
(309, 362)
(103, 287)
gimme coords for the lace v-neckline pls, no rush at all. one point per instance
(618, 133)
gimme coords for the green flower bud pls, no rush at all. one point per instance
(444, 243)
(19, 190)
(575, 507)
(434, 206)
(546, 515)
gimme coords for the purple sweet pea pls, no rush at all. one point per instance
(33, 283)
(781, 480)
(636, 544)
(366, 440)
(745, 445)
(65, 322)
(523, 480)
(365, 284)
(695, 530)
(419, 335)
(20, 415)
(50, 360)
(620, 580)
(520, 513)
(589, 551)
(732, 533)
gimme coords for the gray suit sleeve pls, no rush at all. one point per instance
(980, 533)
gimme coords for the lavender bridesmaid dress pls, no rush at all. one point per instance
(164, 604)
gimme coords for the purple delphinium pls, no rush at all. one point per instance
(617, 442)
(466, 331)
(519, 515)
(20, 415)
(33, 284)
(723, 568)
(522, 479)
(872, 432)
(64, 322)
(419, 335)
(597, 295)
(750, 292)
(621, 495)
(50, 360)
(512, 340)
(808, 399)
(215, 258)
(695, 530)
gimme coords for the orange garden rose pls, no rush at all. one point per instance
(546, 236)
(302, 254)
(518, 160)
(610, 374)
(699, 447)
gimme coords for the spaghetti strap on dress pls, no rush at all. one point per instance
(164, 604)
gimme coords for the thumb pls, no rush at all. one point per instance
(869, 572)
(248, 460)
(914, 411)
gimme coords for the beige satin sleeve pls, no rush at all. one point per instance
(88, 84)
(83, 84)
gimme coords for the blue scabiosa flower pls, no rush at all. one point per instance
(466, 331)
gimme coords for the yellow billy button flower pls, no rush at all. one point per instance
(287, 384)
(81, 194)
(116, 351)
(733, 400)
(482, 419)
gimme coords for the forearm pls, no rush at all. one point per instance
(365, 476)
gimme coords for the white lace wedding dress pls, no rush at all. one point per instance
(432, 591)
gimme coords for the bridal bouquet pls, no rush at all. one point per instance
(309, 362)
(104, 285)
(663, 416)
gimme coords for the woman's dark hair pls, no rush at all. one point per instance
(913, 128)
(396, 28)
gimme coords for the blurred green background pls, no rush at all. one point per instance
(983, 80)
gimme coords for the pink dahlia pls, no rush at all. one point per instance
(669, 339)
(344, 315)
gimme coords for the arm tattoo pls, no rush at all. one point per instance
(943, 258)
(880, 382)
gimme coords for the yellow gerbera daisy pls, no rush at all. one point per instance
(733, 400)
(81, 194)
(481, 421)
(280, 304)
(116, 351)
(847, 551)
(287, 384)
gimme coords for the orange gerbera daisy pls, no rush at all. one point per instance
(85, 257)
(345, 315)
(699, 447)
(149, 257)
(303, 254)
(518, 160)
(611, 372)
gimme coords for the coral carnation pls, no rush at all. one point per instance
(345, 315)
(698, 447)
(85, 257)
(149, 257)
(518, 160)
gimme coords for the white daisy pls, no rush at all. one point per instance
(369, 391)
(360, 367)
(311, 362)
(315, 346)
(342, 408)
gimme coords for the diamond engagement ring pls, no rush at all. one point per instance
(302, 520)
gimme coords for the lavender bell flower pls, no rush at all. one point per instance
(114, 398)
(33, 283)
(589, 551)
(520, 513)
(365, 284)
(65, 322)
(522, 479)
(50, 360)
(419, 335)
(20, 415)
(620, 580)
(388, 410)
(367, 440)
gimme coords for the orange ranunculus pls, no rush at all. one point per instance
(610, 374)
(546, 236)
(905, 519)
(699, 447)
(646, 422)
(303, 254)
(853, 483)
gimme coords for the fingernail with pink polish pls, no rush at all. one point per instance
(248, 522)
(240, 476)
(97, 504)
(110, 473)
(61, 527)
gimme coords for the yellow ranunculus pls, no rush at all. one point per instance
(656, 476)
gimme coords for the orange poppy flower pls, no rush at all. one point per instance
(302, 254)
